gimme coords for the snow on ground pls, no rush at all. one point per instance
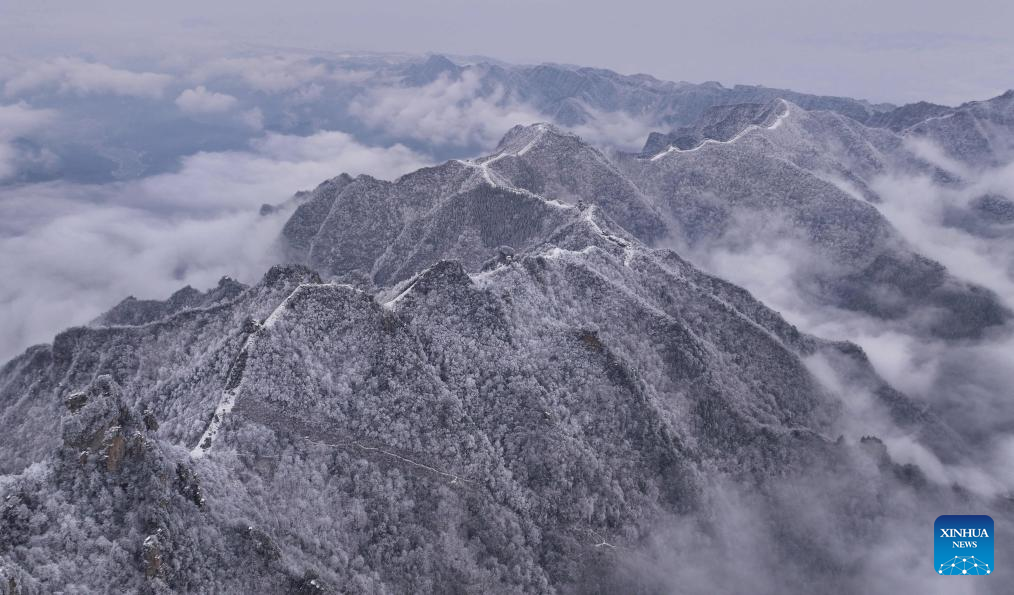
(710, 141)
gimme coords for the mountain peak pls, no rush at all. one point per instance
(435, 66)
(522, 138)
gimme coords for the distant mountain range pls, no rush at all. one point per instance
(137, 136)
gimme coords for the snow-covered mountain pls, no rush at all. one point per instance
(514, 428)
(498, 375)
(572, 95)
(786, 172)
(764, 174)
(977, 133)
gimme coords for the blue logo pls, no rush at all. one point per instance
(963, 545)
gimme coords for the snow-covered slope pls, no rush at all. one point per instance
(383, 232)
(492, 375)
(516, 428)
(755, 176)
(576, 95)
(978, 133)
(744, 177)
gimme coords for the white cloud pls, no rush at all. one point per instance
(466, 112)
(444, 112)
(8, 158)
(73, 251)
(272, 74)
(20, 118)
(935, 155)
(200, 100)
(916, 206)
(77, 264)
(966, 383)
(275, 166)
(970, 381)
(614, 129)
(17, 120)
(253, 118)
(75, 76)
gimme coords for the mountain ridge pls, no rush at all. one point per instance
(495, 374)
(285, 404)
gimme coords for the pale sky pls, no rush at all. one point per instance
(886, 50)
